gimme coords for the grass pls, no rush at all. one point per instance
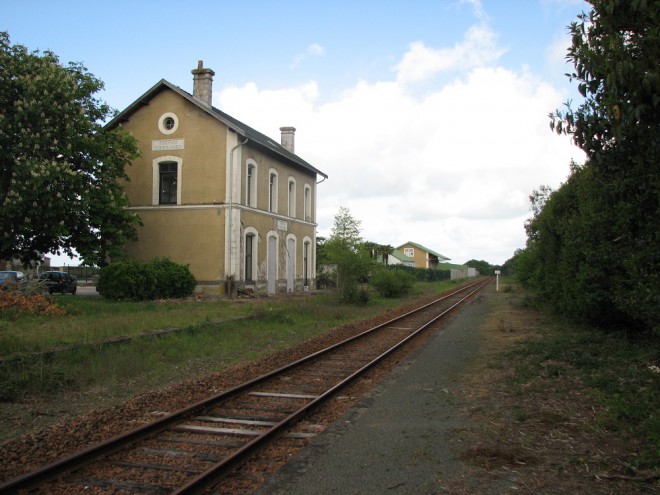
(210, 338)
(621, 375)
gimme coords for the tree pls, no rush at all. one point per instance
(593, 245)
(346, 229)
(60, 171)
(483, 267)
(346, 251)
(378, 251)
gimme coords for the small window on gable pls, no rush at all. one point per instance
(168, 123)
(410, 252)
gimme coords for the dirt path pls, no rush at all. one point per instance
(535, 435)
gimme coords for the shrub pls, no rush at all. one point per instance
(13, 302)
(362, 297)
(138, 280)
(392, 283)
(173, 280)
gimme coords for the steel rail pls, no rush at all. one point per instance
(220, 470)
(121, 441)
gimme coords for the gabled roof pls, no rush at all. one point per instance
(255, 138)
(430, 251)
(401, 257)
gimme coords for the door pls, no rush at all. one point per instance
(290, 264)
(272, 264)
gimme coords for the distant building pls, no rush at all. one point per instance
(396, 257)
(423, 257)
(217, 195)
(16, 264)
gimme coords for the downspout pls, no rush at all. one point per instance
(231, 203)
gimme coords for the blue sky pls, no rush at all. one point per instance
(430, 117)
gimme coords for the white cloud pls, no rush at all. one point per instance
(477, 8)
(556, 55)
(451, 169)
(313, 50)
(478, 48)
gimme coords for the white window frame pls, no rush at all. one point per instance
(410, 252)
(307, 213)
(308, 264)
(291, 261)
(161, 123)
(251, 231)
(273, 180)
(155, 197)
(251, 184)
(291, 192)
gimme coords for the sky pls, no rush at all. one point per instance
(430, 117)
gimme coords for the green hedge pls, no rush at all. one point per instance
(139, 280)
(424, 274)
(392, 283)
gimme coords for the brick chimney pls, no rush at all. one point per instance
(288, 138)
(203, 84)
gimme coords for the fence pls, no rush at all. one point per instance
(84, 274)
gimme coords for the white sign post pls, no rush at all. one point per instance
(497, 280)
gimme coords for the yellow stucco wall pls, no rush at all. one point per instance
(195, 231)
(264, 165)
(419, 255)
(283, 228)
(190, 236)
(203, 155)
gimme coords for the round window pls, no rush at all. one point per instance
(168, 123)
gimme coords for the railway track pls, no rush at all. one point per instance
(195, 448)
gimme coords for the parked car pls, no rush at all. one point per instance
(59, 282)
(11, 277)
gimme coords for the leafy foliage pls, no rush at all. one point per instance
(173, 280)
(346, 251)
(59, 169)
(483, 267)
(138, 280)
(13, 302)
(593, 246)
(392, 283)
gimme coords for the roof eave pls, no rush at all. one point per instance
(234, 125)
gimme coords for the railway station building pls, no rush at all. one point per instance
(234, 205)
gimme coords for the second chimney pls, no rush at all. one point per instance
(203, 84)
(289, 138)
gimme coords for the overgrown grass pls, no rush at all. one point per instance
(623, 374)
(211, 337)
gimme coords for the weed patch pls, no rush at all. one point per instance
(567, 408)
(618, 372)
(13, 304)
(101, 343)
